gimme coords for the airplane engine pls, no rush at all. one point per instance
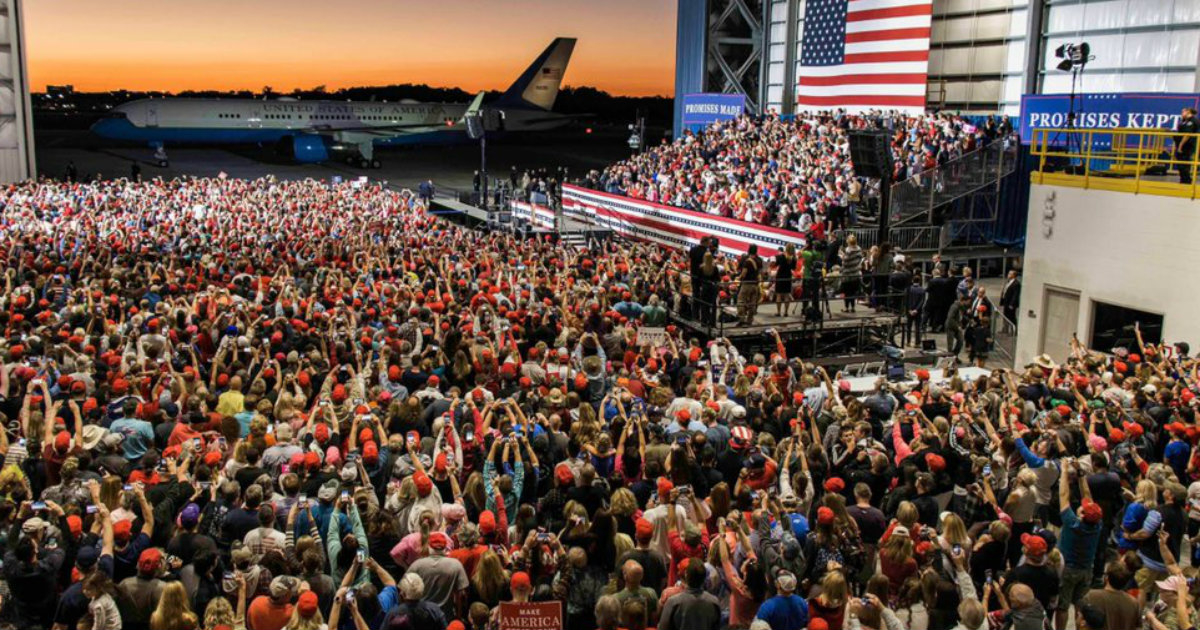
(309, 148)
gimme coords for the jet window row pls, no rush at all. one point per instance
(314, 117)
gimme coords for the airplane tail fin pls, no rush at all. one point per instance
(538, 85)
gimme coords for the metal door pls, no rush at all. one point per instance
(1060, 320)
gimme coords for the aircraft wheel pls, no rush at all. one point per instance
(376, 164)
(163, 164)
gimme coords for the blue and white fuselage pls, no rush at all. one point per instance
(314, 127)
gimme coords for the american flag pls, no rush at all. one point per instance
(864, 54)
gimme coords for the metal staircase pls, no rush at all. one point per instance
(954, 204)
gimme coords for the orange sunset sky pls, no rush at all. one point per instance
(626, 47)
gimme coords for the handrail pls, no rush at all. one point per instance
(999, 141)
(1089, 166)
(923, 192)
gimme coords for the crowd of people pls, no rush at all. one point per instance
(791, 173)
(299, 405)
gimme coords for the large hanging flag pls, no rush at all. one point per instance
(864, 54)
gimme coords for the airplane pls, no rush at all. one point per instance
(313, 131)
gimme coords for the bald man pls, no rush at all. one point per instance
(631, 575)
(1026, 612)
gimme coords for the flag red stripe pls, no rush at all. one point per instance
(895, 33)
(865, 79)
(893, 12)
(885, 57)
(869, 99)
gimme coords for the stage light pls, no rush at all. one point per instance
(1073, 56)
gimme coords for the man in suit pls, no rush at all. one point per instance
(955, 320)
(695, 259)
(941, 295)
(1010, 298)
(980, 304)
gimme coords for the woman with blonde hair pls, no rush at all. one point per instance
(306, 614)
(490, 582)
(830, 604)
(173, 611)
(625, 510)
(954, 537)
(896, 558)
(1021, 505)
(220, 613)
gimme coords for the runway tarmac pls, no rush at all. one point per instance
(448, 166)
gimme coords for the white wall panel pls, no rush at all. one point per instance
(16, 126)
(8, 106)
(941, 7)
(775, 97)
(1185, 11)
(1014, 87)
(1185, 46)
(936, 67)
(1070, 258)
(1149, 12)
(778, 30)
(990, 59)
(775, 73)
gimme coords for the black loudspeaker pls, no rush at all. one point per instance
(871, 153)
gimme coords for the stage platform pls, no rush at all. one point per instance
(840, 332)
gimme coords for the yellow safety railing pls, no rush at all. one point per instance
(1139, 161)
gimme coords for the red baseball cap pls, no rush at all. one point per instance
(1034, 545)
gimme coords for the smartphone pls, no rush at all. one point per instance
(270, 428)
(987, 470)
(865, 602)
(91, 509)
(285, 468)
(38, 506)
(127, 488)
(957, 549)
(362, 556)
(345, 495)
(229, 575)
(197, 443)
(349, 596)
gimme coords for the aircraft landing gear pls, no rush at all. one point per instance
(160, 155)
(366, 153)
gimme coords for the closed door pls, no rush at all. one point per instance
(152, 115)
(1060, 320)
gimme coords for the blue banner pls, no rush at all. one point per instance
(1103, 111)
(700, 110)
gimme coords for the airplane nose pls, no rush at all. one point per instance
(111, 126)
